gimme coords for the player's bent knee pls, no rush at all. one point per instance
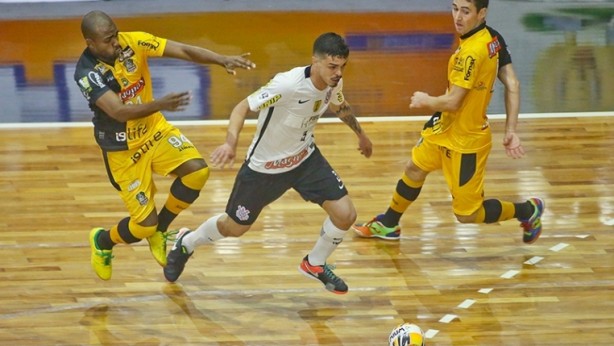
(196, 180)
(229, 228)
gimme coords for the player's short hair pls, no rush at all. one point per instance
(480, 4)
(92, 20)
(331, 44)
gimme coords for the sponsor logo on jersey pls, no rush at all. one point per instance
(151, 45)
(146, 147)
(493, 47)
(85, 87)
(270, 102)
(287, 162)
(328, 94)
(95, 78)
(308, 122)
(131, 133)
(242, 213)
(469, 67)
(132, 90)
(134, 185)
(126, 53)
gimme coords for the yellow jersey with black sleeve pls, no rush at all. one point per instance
(473, 66)
(130, 79)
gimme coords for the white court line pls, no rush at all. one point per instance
(403, 118)
(431, 333)
(559, 247)
(466, 304)
(510, 274)
(533, 260)
(448, 318)
(485, 290)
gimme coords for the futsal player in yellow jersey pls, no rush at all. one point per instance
(457, 138)
(135, 138)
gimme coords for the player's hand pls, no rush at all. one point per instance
(222, 156)
(175, 101)
(365, 146)
(419, 100)
(233, 61)
(512, 145)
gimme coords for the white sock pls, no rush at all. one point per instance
(206, 233)
(330, 238)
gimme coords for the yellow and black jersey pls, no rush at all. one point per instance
(130, 79)
(474, 66)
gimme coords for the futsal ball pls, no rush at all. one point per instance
(406, 334)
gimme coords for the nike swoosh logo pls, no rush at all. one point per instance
(302, 101)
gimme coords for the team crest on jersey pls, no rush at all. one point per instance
(129, 65)
(316, 105)
(142, 198)
(126, 53)
(493, 47)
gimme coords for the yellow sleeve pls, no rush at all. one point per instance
(147, 43)
(465, 71)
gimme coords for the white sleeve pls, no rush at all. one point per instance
(277, 91)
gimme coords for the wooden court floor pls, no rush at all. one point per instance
(463, 284)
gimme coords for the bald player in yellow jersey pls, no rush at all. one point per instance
(134, 136)
(457, 139)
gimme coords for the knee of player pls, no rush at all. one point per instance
(229, 228)
(345, 219)
(197, 179)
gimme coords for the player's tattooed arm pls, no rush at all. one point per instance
(345, 113)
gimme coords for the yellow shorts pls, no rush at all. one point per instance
(464, 172)
(131, 171)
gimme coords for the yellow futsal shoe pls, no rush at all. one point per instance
(157, 246)
(101, 259)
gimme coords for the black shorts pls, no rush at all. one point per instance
(314, 179)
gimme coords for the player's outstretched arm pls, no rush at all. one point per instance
(200, 55)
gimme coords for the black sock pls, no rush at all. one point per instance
(104, 240)
(523, 211)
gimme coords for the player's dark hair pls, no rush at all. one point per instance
(331, 44)
(480, 4)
